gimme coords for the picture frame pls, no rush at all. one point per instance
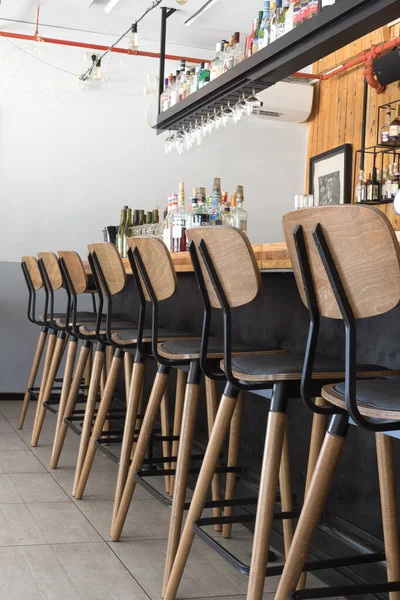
(330, 176)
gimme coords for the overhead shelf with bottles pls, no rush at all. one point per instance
(332, 28)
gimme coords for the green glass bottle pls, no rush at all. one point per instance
(257, 32)
(121, 230)
(281, 23)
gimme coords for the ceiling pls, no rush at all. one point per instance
(88, 16)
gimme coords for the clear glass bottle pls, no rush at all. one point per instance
(180, 222)
(274, 22)
(237, 49)
(290, 17)
(217, 65)
(164, 105)
(384, 133)
(281, 27)
(394, 129)
(386, 183)
(121, 230)
(361, 193)
(239, 215)
(229, 59)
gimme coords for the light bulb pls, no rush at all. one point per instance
(96, 72)
(134, 39)
(181, 1)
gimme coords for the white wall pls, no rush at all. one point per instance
(68, 164)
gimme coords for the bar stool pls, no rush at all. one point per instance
(347, 266)
(110, 273)
(156, 279)
(229, 271)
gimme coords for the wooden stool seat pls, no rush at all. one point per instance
(282, 367)
(130, 337)
(190, 349)
(89, 329)
(377, 398)
(82, 316)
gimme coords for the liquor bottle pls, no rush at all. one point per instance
(180, 222)
(313, 7)
(255, 47)
(239, 215)
(361, 192)
(237, 50)
(121, 230)
(217, 65)
(173, 93)
(305, 10)
(263, 40)
(215, 208)
(273, 21)
(394, 129)
(204, 75)
(193, 205)
(164, 104)
(201, 216)
(156, 216)
(373, 187)
(250, 39)
(167, 225)
(195, 80)
(297, 19)
(192, 83)
(384, 133)
(281, 27)
(385, 185)
(290, 17)
(229, 59)
(202, 196)
(396, 180)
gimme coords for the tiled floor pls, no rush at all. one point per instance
(53, 547)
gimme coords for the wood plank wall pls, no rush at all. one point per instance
(337, 112)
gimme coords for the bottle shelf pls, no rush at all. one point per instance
(375, 202)
(334, 27)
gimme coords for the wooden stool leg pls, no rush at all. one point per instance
(67, 380)
(101, 418)
(211, 405)
(182, 466)
(51, 342)
(210, 461)
(129, 431)
(103, 378)
(152, 410)
(318, 430)
(88, 371)
(165, 431)
(313, 506)
(285, 488)
(233, 460)
(127, 374)
(51, 375)
(32, 375)
(181, 378)
(387, 486)
(276, 428)
(98, 364)
(71, 403)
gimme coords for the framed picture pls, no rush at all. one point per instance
(330, 176)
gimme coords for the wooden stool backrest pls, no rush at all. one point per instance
(234, 262)
(366, 253)
(76, 270)
(33, 270)
(111, 264)
(159, 266)
(53, 270)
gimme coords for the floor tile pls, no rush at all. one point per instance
(49, 423)
(5, 426)
(19, 461)
(99, 488)
(12, 408)
(44, 523)
(147, 519)
(69, 457)
(46, 439)
(65, 572)
(11, 441)
(30, 487)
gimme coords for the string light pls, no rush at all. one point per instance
(134, 39)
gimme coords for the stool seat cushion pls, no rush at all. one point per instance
(130, 337)
(190, 349)
(280, 367)
(376, 398)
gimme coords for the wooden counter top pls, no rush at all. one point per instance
(269, 256)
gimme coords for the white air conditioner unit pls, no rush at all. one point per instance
(291, 102)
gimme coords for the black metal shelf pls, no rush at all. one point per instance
(334, 27)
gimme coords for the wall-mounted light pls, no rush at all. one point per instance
(134, 39)
(200, 12)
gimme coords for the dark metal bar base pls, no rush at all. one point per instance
(346, 590)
